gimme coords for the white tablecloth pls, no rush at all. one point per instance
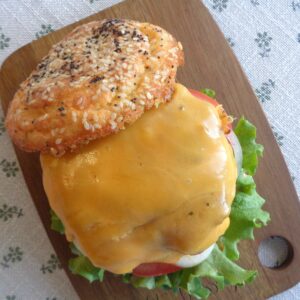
(265, 36)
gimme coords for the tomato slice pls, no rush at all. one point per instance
(203, 97)
(154, 269)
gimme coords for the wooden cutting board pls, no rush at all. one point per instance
(209, 63)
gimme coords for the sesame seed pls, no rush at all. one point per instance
(113, 125)
(86, 125)
(43, 117)
(149, 96)
(53, 151)
(95, 117)
(58, 141)
(105, 89)
(74, 116)
(79, 101)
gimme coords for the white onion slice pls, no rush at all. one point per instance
(237, 149)
(188, 261)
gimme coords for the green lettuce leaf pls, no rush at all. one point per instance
(220, 268)
(246, 210)
(82, 266)
(246, 133)
(208, 92)
(56, 223)
(216, 267)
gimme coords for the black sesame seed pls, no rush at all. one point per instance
(96, 79)
(41, 66)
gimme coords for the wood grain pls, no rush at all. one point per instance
(209, 63)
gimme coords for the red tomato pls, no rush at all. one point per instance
(203, 97)
(154, 269)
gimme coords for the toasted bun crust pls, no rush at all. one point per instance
(98, 79)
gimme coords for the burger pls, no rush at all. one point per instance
(146, 178)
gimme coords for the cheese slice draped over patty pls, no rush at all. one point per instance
(154, 192)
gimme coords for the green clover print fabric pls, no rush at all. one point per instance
(265, 36)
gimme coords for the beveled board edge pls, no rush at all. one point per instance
(264, 131)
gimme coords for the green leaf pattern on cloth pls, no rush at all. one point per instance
(254, 2)
(8, 212)
(219, 5)
(279, 138)
(263, 41)
(2, 127)
(51, 265)
(264, 92)
(4, 40)
(295, 5)
(10, 168)
(230, 41)
(45, 29)
(14, 255)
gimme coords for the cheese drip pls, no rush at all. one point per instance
(157, 191)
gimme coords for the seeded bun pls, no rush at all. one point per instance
(100, 78)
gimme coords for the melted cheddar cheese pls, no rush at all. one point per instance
(157, 191)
